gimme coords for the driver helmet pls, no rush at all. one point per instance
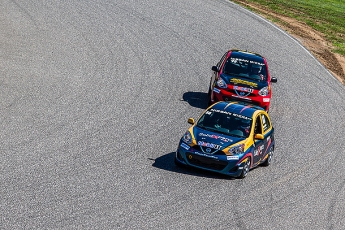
(256, 69)
(245, 125)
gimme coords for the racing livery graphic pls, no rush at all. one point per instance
(229, 138)
(242, 76)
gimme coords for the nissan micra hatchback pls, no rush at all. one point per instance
(229, 138)
(242, 76)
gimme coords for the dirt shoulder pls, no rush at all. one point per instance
(313, 40)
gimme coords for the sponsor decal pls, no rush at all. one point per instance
(231, 114)
(266, 100)
(185, 146)
(243, 89)
(221, 111)
(241, 116)
(208, 150)
(209, 145)
(258, 151)
(216, 90)
(235, 60)
(232, 158)
(225, 139)
(205, 155)
(244, 82)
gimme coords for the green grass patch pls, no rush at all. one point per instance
(326, 16)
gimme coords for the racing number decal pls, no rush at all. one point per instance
(259, 150)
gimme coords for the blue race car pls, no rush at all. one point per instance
(229, 138)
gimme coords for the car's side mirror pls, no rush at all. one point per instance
(191, 121)
(259, 136)
(215, 69)
(273, 79)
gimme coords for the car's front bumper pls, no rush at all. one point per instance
(225, 95)
(228, 165)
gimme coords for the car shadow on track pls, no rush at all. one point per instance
(196, 99)
(166, 162)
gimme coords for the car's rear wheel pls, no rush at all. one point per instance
(245, 169)
(270, 154)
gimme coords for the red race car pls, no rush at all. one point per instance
(242, 76)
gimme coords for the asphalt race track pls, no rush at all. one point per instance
(96, 94)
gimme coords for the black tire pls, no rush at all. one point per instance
(245, 170)
(270, 154)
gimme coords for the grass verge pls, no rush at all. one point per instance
(326, 16)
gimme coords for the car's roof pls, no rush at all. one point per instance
(237, 107)
(247, 55)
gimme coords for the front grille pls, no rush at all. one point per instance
(199, 148)
(206, 162)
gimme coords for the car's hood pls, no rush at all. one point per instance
(212, 139)
(242, 81)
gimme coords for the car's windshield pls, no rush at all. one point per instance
(245, 68)
(225, 122)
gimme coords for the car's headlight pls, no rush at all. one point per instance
(237, 149)
(263, 91)
(187, 137)
(221, 83)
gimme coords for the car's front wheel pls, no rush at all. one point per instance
(270, 154)
(245, 169)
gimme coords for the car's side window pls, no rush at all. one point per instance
(258, 126)
(265, 122)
